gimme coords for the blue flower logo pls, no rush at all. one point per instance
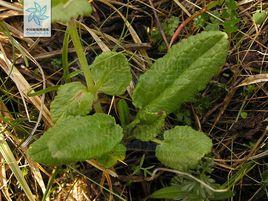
(37, 13)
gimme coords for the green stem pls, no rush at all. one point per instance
(81, 54)
(97, 107)
(50, 182)
(132, 124)
(65, 63)
(157, 141)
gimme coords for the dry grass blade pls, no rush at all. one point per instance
(253, 79)
(159, 24)
(132, 31)
(23, 86)
(12, 162)
(101, 44)
(3, 180)
(94, 164)
(8, 14)
(182, 7)
(12, 6)
(37, 175)
(4, 112)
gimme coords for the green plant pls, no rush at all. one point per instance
(169, 26)
(171, 81)
(259, 16)
(185, 188)
(228, 13)
(138, 169)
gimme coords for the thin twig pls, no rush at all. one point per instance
(159, 24)
(187, 175)
(184, 23)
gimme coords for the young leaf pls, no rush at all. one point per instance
(123, 111)
(64, 10)
(76, 139)
(190, 191)
(111, 73)
(150, 125)
(110, 159)
(72, 99)
(259, 16)
(183, 147)
(181, 73)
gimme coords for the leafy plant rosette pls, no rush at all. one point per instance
(79, 135)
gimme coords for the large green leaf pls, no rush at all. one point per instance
(183, 147)
(111, 73)
(72, 99)
(39, 151)
(77, 139)
(183, 71)
(64, 10)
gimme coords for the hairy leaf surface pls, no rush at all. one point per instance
(150, 125)
(72, 99)
(39, 151)
(183, 147)
(76, 139)
(111, 73)
(64, 10)
(181, 73)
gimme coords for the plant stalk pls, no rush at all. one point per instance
(81, 54)
(97, 106)
(65, 63)
(157, 141)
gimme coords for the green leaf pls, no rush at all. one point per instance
(230, 26)
(123, 111)
(243, 115)
(76, 139)
(264, 181)
(64, 10)
(170, 192)
(171, 24)
(111, 73)
(150, 125)
(221, 195)
(183, 147)
(110, 159)
(181, 73)
(42, 91)
(259, 16)
(72, 99)
(186, 192)
(39, 151)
